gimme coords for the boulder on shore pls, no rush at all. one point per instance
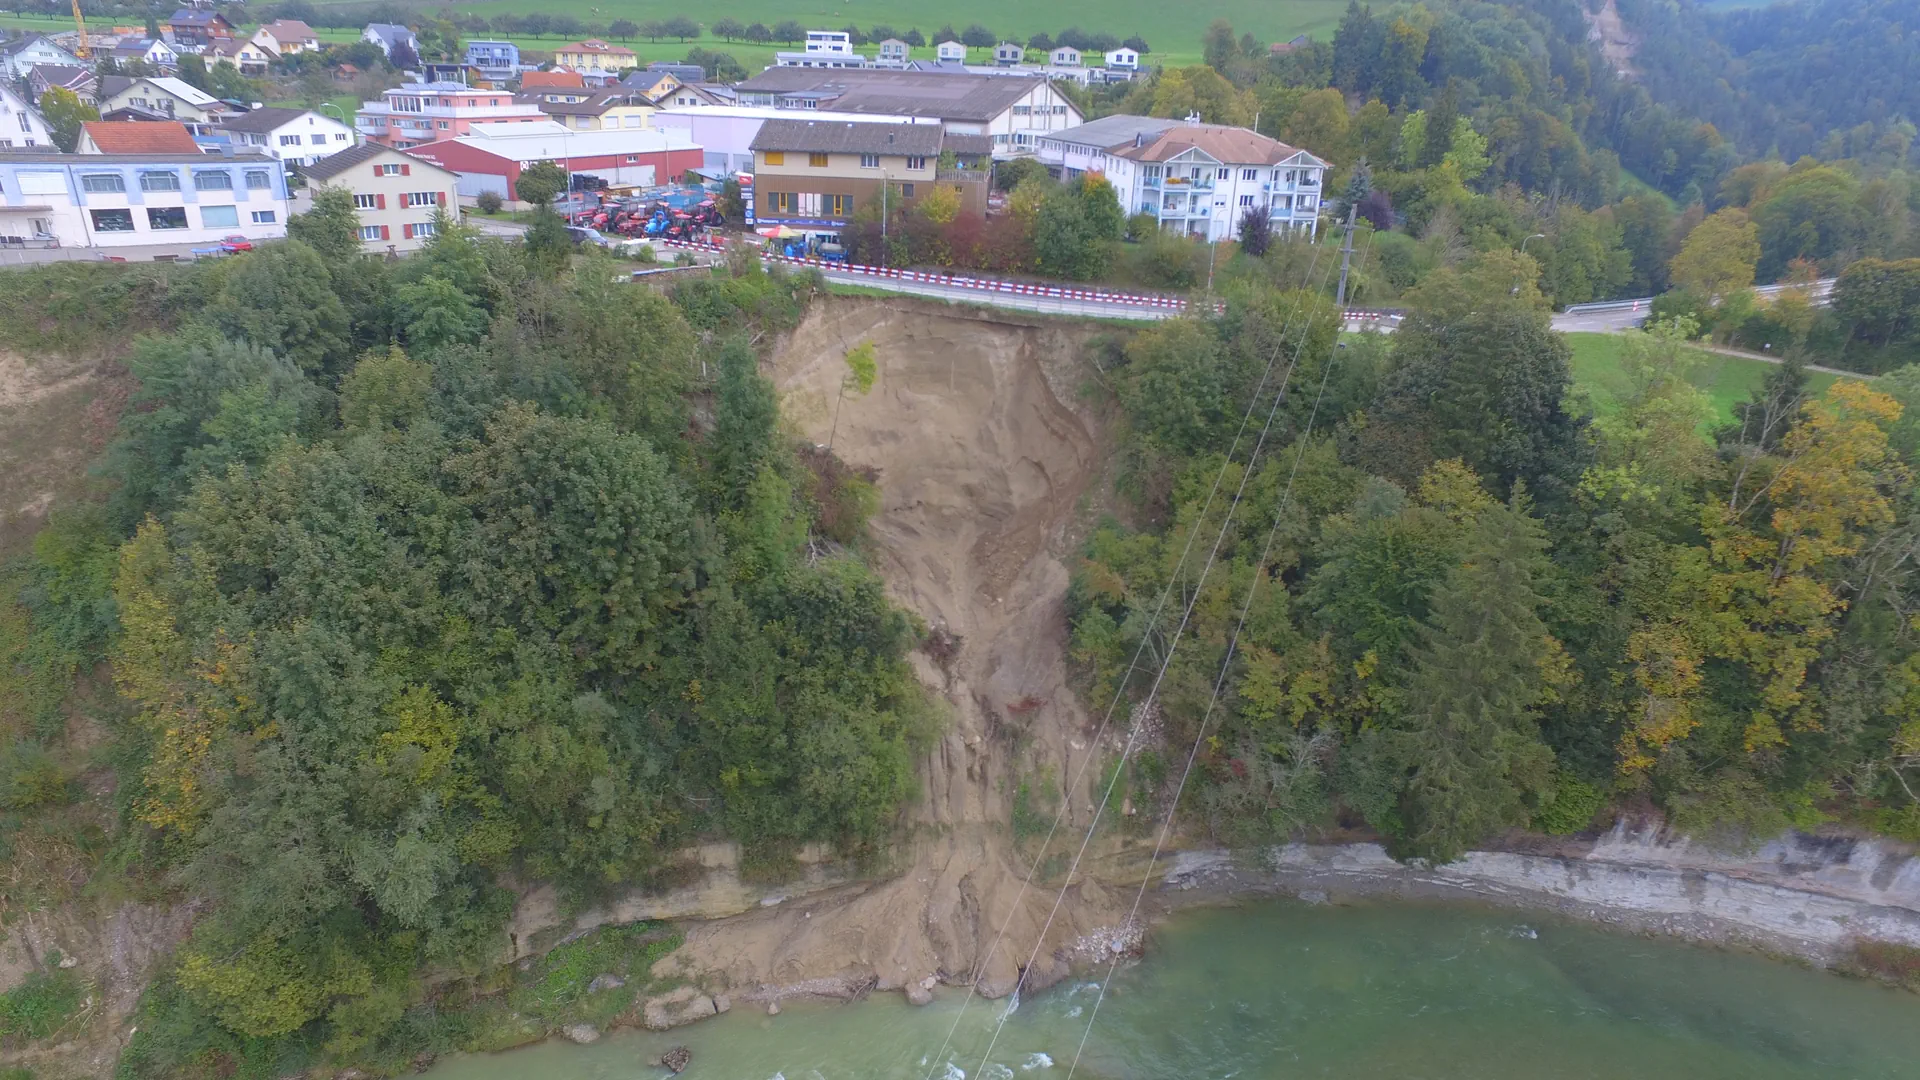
(677, 1059)
(582, 1033)
(676, 1007)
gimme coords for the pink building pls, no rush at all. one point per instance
(415, 114)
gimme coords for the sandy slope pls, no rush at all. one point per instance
(983, 451)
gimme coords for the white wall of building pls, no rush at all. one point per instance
(21, 125)
(114, 201)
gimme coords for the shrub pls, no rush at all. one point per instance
(1574, 804)
(40, 1006)
(1142, 226)
(1170, 261)
(489, 202)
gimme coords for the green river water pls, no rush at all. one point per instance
(1282, 990)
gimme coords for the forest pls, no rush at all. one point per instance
(417, 579)
(1456, 599)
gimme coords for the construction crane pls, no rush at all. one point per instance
(83, 50)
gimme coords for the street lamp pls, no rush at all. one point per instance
(1523, 251)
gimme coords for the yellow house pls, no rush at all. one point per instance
(595, 55)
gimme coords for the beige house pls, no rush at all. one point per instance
(160, 94)
(396, 195)
(594, 54)
(284, 37)
(247, 56)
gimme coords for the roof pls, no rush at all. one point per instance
(193, 17)
(183, 90)
(334, 164)
(597, 102)
(595, 45)
(133, 46)
(94, 161)
(141, 137)
(19, 44)
(1227, 145)
(1112, 132)
(649, 81)
(263, 120)
(289, 30)
(840, 137)
(905, 93)
(967, 144)
(531, 79)
(232, 47)
(390, 32)
(63, 75)
(546, 140)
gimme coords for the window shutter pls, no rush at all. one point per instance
(439, 198)
(386, 233)
(376, 170)
(406, 232)
(380, 202)
(406, 170)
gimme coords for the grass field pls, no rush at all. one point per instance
(1173, 32)
(1728, 380)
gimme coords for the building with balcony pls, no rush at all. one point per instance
(497, 60)
(195, 29)
(19, 54)
(813, 175)
(1012, 109)
(160, 95)
(123, 202)
(594, 110)
(595, 55)
(396, 196)
(1198, 179)
(414, 114)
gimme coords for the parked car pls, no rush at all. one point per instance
(236, 242)
(583, 234)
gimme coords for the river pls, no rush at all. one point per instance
(1285, 990)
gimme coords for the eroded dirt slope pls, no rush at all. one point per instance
(984, 451)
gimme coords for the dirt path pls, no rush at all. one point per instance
(983, 452)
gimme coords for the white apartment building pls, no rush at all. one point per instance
(21, 125)
(1198, 179)
(396, 195)
(1014, 109)
(127, 201)
(295, 136)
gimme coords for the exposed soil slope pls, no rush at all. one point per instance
(983, 452)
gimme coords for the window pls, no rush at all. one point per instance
(916, 163)
(369, 232)
(103, 182)
(159, 181)
(906, 191)
(219, 217)
(817, 161)
(869, 161)
(167, 217)
(1246, 200)
(26, 122)
(112, 220)
(365, 202)
(839, 205)
(388, 170)
(425, 228)
(213, 181)
(264, 217)
(1223, 174)
(1249, 174)
(442, 125)
(339, 136)
(257, 179)
(780, 202)
(1151, 172)
(317, 140)
(422, 198)
(1022, 110)
(289, 140)
(776, 157)
(1059, 110)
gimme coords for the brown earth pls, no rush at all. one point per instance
(56, 415)
(984, 448)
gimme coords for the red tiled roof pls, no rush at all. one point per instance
(141, 137)
(561, 79)
(1228, 145)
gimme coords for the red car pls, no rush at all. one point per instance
(236, 242)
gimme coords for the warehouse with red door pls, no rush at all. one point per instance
(491, 158)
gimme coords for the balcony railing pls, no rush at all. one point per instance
(1188, 183)
(960, 176)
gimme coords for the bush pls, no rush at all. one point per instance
(1171, 261)
(1574, 804)
(40, 1006)
(489, 202)
(1142, 226)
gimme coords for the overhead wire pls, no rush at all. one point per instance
(1146, 636)
(1186, 616)
(1219, 685)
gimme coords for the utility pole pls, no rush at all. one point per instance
(1346, 257)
